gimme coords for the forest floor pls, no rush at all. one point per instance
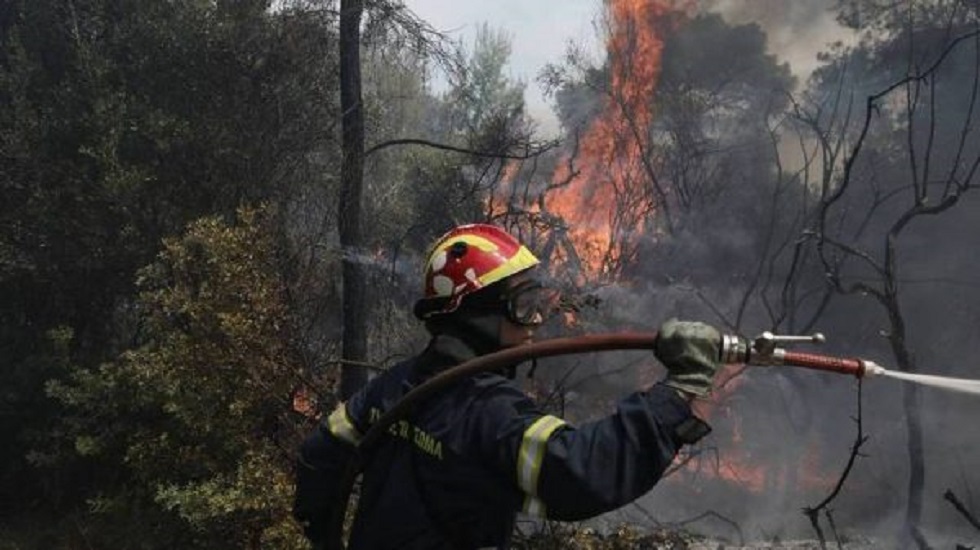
(628, 539)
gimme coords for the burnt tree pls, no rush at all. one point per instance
(913, 158)
(349, 205)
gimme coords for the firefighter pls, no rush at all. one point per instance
(455, 473)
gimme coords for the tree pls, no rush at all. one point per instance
(351, 191)
(434, 159)
(913, 159)
(119, 123)
(483, 104)
(196, 420)
(668, 133)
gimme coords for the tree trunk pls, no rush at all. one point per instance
(351, 188)
(913, 425)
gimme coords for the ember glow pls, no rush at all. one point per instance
(737, 460)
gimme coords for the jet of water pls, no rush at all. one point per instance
(963, 385)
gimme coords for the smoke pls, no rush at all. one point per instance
(783, 436)
(796, 31)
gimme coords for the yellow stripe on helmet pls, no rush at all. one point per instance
(521, 261)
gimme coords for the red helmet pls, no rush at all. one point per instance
(467, 259)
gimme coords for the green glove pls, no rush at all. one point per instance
(691, 352)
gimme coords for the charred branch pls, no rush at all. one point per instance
(833, 527)
(530, 150)
(813, 512)
(961, 508)
(391, 22)
(715, 515)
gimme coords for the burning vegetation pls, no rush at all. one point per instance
(694, 182)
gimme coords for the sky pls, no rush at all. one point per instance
(541, 30)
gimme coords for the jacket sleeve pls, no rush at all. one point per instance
(322, 462)
(570, 473)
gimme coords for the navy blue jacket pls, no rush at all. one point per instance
(456, 472)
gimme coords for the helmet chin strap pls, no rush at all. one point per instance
(534, 367)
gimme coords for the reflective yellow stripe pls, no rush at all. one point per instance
(341, 426)
(532, 451)
(534, 507)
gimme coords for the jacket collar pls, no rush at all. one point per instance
(445, 351)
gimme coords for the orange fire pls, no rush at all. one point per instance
(606, 201)
(738, 463)
(606, 191)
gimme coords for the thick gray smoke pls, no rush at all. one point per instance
(796, 31)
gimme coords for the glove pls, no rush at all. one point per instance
(691, 352)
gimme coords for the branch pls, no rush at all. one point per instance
(712, 514)
(732, 324)
(392, 23)
(372, 366)
(850, 250)
(530, 150)
(951, 497)
(926, 73)
(812, 512)
(966, 123)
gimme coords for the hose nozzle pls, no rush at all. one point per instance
(762, 351)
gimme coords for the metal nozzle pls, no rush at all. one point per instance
(762, 350)
(816, 338)
(734, 349)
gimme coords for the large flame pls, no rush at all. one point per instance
(602, 190)
(606, 191)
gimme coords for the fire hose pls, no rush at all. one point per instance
(761, 351)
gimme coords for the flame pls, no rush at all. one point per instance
(605, 191)
(602, 190)
(738, 462)
(305, 403)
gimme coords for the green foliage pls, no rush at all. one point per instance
(483, 110)
(198, 416)
(416, 192)
(484, 103)
(120, 121)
